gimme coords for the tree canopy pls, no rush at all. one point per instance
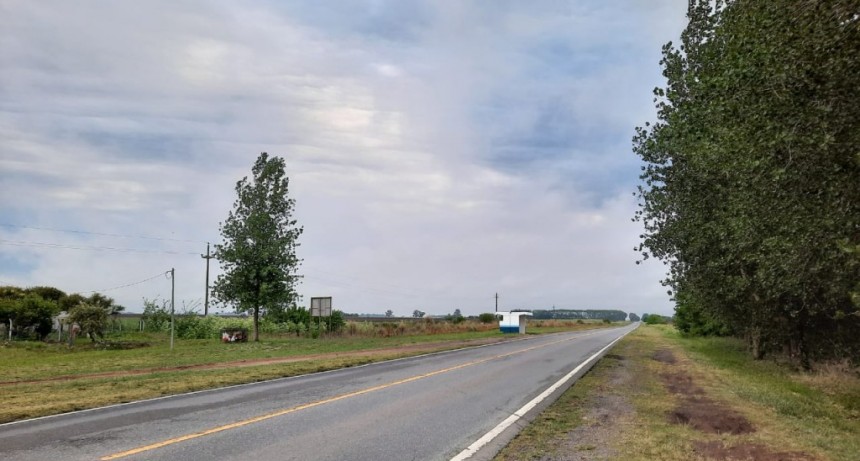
(751, 171)
(260, 236)
(32, 309)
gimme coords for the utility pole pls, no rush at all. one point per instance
(172, 310)
(207, 257)
(497, 302)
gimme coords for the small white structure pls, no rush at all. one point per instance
(513, 322)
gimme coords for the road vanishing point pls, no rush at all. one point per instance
(463, 404)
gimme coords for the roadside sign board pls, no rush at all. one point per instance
(321, 307)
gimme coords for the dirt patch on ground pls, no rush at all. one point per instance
(602, 421)
(708, 416)
(694, 408)
(746, 451)
(369, 353)
(681, 383)
(665, 356)
(700, 412)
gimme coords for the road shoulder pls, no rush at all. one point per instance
(658, 396)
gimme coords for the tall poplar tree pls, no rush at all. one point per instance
(750, 183)
(258, 254)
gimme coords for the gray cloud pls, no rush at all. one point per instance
(438, 152)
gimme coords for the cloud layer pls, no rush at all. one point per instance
(439, 152)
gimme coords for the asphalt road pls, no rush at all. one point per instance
(429, 407)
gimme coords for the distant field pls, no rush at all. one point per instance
(38, 379)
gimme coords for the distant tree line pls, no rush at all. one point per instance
(751, 182)
(595, 314)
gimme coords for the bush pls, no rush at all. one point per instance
(691, 320)
(654, 319)
(487, 317)
(155, 317)
(336, 320)
(92, 320)
(192, 326)
(31, 315)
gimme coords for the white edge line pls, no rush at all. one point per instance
(510, 420)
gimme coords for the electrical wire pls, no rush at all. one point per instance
(104, 234)
(128, 284)
(89, 247)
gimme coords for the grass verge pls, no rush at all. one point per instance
(792, 415)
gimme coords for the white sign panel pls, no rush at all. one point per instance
(321, 307)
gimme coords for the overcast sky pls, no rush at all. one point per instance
(439, 152)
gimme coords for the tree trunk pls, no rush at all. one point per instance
(755, 343)
(802, 349)
(256, 323)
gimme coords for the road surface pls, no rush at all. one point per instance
(439, 406)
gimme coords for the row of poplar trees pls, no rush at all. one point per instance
(751, 176)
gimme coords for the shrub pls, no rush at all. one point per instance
(155, 317)
(31, 315)
(92, 319)
(487, 317)
(192, 326)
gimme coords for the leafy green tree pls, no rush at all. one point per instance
(67, 303)
(10, 292)
(108, 304)
(260, 236)
(389, 313)
(633, 317)
(292, 315)
(417, 313)
(92, 319)
(28, 313)
(48, 293)
(751, 170)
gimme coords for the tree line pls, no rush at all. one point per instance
(598, 314)
(751, 176)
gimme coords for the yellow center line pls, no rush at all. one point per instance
(317, 403)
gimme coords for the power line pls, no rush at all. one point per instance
(129, 284)
(104, 234)
(90, 247)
